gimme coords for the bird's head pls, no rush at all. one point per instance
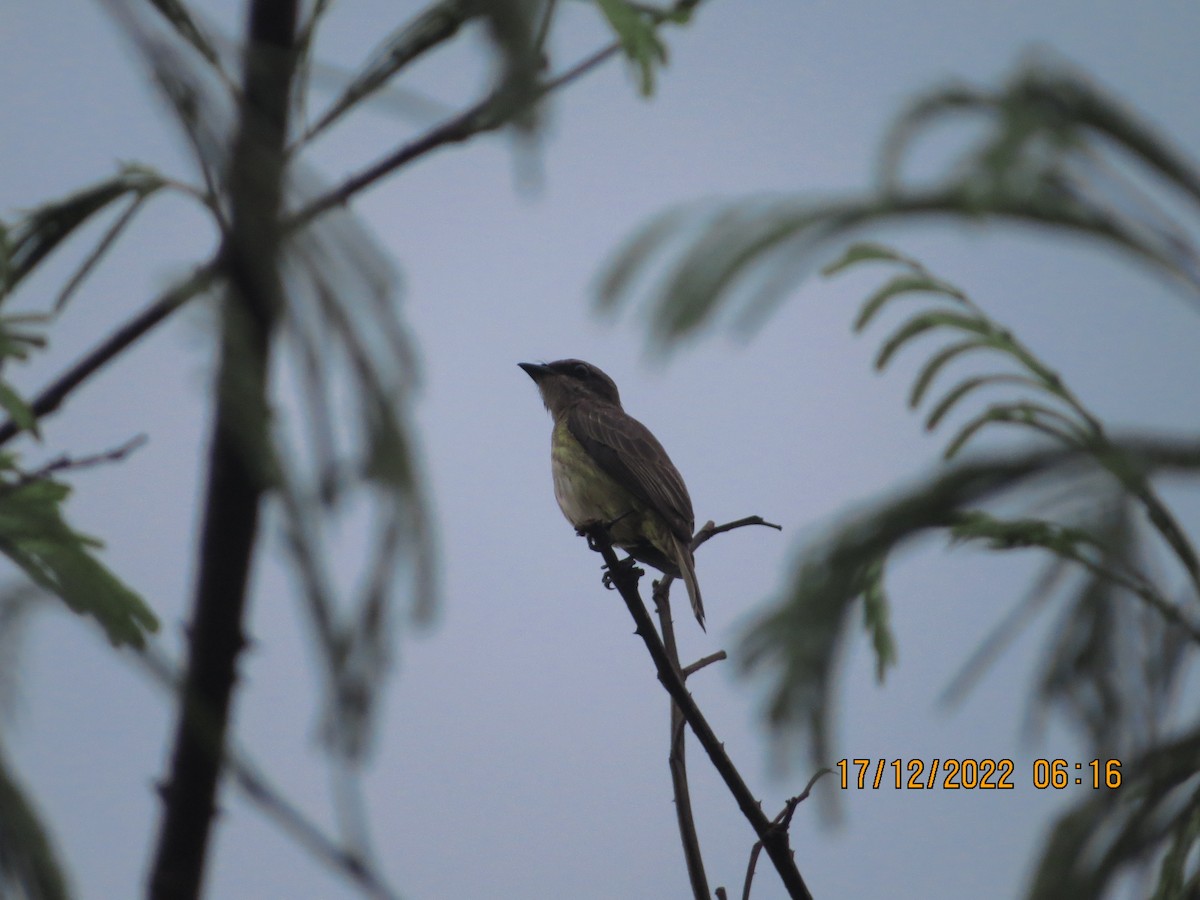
(569, 381)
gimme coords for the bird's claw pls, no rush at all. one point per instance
(627, 563)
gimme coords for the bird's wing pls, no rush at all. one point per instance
(626, 450)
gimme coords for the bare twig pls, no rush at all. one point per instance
(486, 115)
(100, 250)
(780, 822)
(431, 27)
(52, 397)
(270, 801)
(289, 817)
(482, 117)
(677, 759)
(701, 663)
(543, 29)
(625, 579)
(710, 530)
(66, 463)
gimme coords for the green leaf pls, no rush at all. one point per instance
(919, 282)
(29, 866)
(877, 619)
(860, 253)
(939, 360)
(639, 40)
(1173, 881)
(1031, 415)
(961, 390)
(185, 26)
(16, 342)
(12, 403)
(41, 230)
(36, 538)
(429, 29)
(1010, 534)
(631, 259)
(927, 321)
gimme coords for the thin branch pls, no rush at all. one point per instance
(270, 801)
(460, 128)
(1156, 510)
(66, 463)
(781, 821)
(1162, 519)
(431, 27)
(1140, 587)
(52, 397)
(481, 117)
(710, 530)
(289, 818)
(98, 252)
(625, 579)
(486, 115)
(701, 663)
(677, 759)
(543, 30)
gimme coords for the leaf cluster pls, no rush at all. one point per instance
(1054, 153)
(319, 381)
(1126, 629)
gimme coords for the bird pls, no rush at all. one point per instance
(609, 469)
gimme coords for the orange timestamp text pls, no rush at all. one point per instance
(974, 774)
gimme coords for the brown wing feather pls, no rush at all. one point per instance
(626, 450)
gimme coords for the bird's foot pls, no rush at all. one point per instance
(590, 531)
(626, 563)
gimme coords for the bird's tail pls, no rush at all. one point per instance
(687, 567)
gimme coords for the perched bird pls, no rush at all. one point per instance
(609, 469)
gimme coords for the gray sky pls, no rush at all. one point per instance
(523, 750)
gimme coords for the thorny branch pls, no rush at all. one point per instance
(677, 759)
(625, 579)
(236, 466)
(272, 803)
(781, 822)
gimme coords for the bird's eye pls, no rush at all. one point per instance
(580, 370)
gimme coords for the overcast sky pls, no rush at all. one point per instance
(524, 743)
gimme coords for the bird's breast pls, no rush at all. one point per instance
(585, 492)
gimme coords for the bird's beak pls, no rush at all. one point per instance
(536, 371)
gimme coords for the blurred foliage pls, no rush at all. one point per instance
(1043, 159)
(335, 438)
(1058, 154)
(37, 233)
(636, 26)
(341, 335)
(433, 26)
(34, 535)
(29, 867)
